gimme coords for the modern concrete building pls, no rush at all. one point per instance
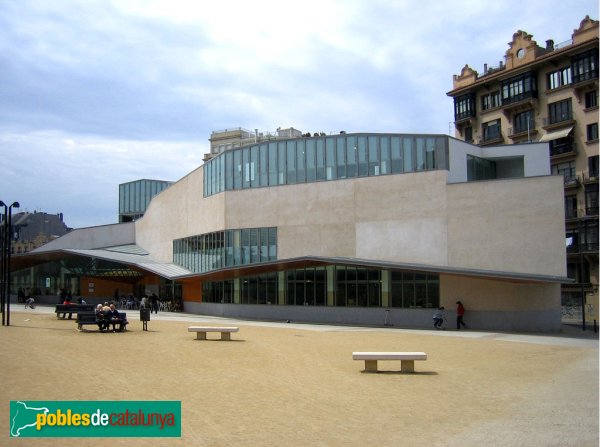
(548, 94)
(135, 196)
(349, 228)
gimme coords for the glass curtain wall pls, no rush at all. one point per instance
(322, 159)
(228, 248)
(351, 287)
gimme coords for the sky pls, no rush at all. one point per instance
(94, 93)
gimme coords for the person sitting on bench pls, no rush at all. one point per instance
(114, 317)
(101, 318)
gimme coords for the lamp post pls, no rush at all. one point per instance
(6, 253)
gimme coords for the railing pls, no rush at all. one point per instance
(563, 149)
(591, 211)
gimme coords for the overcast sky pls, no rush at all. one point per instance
(97, 93)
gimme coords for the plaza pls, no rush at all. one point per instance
(278, 383)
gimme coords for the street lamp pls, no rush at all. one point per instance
(6, 252)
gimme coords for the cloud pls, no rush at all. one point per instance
(100, 92)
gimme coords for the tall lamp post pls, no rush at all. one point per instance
(6, 252)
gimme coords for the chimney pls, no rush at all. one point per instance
(550, 44)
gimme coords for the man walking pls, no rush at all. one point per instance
(460, 312)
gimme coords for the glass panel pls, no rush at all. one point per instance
(362, 157)
(341, 157)
(407, 147)
(384, 154)
(273, 164)
(300, 159)
(397, 160)
(420, 154)
(340, 289)
(246, 168)
(245, 236)
(291, 162)
(254, 253)
(237, 169)
(351, 157)
(253, 166)
(282, 164)
(264, 244)
(264, 166)
(311, 167)
(321, 159)
(373, 156)
(330, 158)
(229, 171)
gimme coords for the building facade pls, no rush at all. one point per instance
(349, 228)
(547, 94)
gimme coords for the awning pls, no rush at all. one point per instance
(556, 134)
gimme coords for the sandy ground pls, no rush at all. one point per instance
(297, 385)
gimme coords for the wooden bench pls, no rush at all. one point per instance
(201, 331)
(407, 359)
(89, 318)
(71, 309)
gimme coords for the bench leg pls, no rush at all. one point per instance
(225, 336)
(200, 335)
(407, 366)
(371, 366)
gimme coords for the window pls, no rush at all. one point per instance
(592, 132)
(591, 200)
(480, 169)
(464, 106)
(567, 170)
(559, 111)
(570, 207)
(562, 145)
(593, 166)
(523, 122)
(519, 87)
(591, 99)
(585, 66)
(559, 78)
(469, 134)
(491, 130)
(490, 101)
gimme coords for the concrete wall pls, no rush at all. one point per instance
(508, 225)
(178, 212)
(489, 320)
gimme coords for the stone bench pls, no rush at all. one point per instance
(407, 359)
(202, 330)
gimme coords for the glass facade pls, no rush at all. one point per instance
(228, 248)
(332, 286)
(314, 159)
(134, 197)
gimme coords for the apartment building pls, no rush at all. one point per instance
(546, 93)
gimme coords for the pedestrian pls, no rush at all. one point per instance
(154, 303)
(438, 318)
(460, 313)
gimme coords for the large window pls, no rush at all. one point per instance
(519, 87)
(414, 290)
(480, 169)
(559, 78)
(585, 66)
(524, 121)
(305, 160)
(491, 100)
(491, 130)
(221, 249)
(464, 106)
(560, 111)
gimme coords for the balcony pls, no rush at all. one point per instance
(558, 121)
(491, 138)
